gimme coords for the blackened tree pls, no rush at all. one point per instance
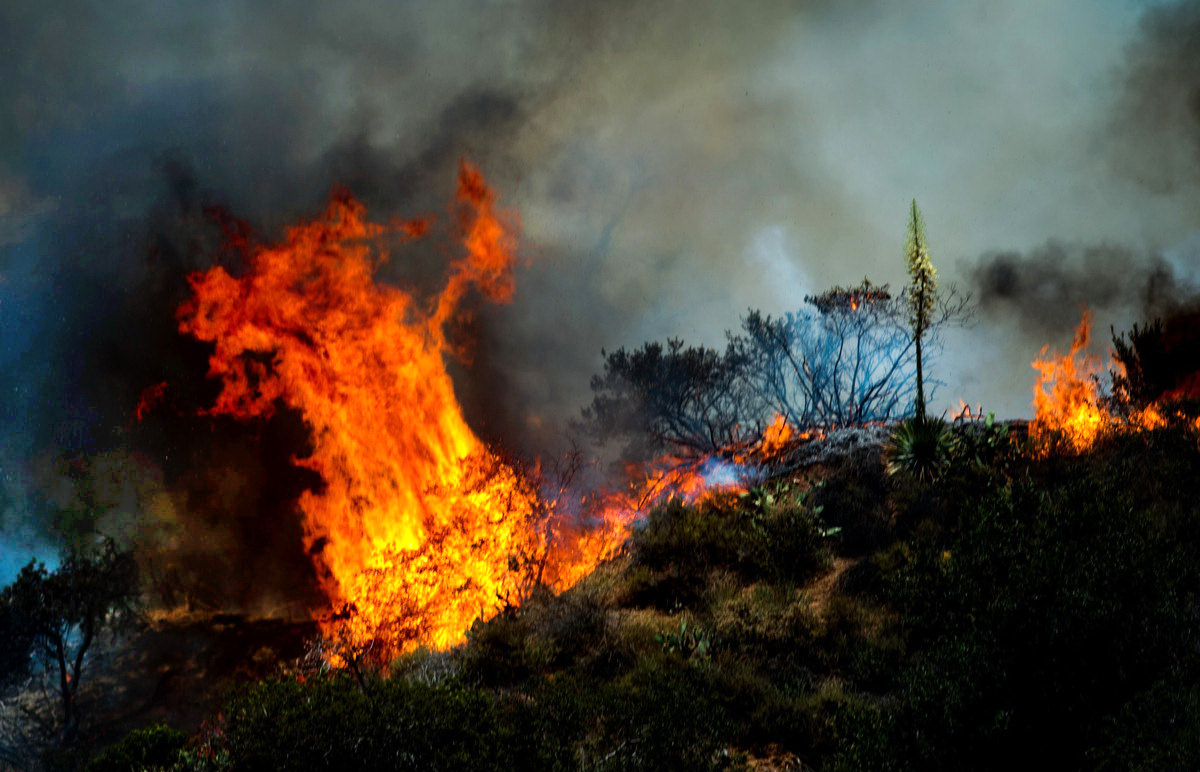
(49, 620)
(847, 358)
(690, 401)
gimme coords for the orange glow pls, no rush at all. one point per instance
(419, 529)
(1065, 398)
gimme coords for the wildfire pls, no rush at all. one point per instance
(419, 528)
(1067, 404)
(1066, 396)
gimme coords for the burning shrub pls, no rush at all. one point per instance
(1158, 362)
(417, 528)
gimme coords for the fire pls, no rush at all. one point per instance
(776, 436)
(419, 529)
(1066, 399)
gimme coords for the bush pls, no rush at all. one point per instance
(919, 449)
(154, 747)
(331, 723)
(853, 497)
(769, 534)
(1061, 597)
(661, 716)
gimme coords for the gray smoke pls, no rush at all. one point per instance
(1156, 123)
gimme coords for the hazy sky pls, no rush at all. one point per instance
(673, 163)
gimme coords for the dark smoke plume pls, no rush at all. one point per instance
(1044, 289)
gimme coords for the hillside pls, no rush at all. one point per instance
(1023, 610)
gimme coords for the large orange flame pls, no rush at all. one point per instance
(419, 529)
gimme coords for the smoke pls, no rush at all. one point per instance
(1156, 123)
(1045, 288)
(673, 163)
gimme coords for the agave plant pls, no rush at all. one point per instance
(919, 449)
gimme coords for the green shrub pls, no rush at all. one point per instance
(662, 716)
(1158, 730)
(501, 651)
(771, 534)
(154, 747)
(1058, 598)
(331, 723)
(853, 496)
(919, 449)
(764, 622)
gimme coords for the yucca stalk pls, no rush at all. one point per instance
(922, 294)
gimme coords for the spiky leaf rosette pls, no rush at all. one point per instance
(919, 449)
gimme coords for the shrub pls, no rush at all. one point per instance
(771, 534)
(662, 716)
(919, 449)
(853, 497)
(156, 747)
(1061, 597)
(332, 723)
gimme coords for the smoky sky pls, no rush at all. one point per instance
(672, 164)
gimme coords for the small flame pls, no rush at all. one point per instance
(776, 436)
(149, 401)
